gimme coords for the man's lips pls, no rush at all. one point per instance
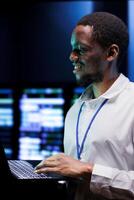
(77, 68)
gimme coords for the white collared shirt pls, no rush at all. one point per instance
(110, 141)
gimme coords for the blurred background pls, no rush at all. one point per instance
(37, 85)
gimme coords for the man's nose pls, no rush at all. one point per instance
(73, 57)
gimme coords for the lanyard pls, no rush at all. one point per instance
(80, 147)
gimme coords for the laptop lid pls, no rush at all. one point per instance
(5, 173)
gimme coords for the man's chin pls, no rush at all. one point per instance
(87, 80)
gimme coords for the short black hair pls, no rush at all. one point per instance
(108, 29)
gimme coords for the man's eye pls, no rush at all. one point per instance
(79, 51)
(82, 51)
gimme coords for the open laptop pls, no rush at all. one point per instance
(17, 178)
(22, 169)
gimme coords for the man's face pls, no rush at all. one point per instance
(87, 56)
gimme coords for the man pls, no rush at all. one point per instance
(99, 127)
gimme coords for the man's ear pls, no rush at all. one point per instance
(112, 52)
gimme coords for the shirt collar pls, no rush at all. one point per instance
(119, 85)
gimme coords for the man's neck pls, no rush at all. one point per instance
(102, 87)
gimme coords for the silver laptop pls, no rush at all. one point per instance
(22, 169)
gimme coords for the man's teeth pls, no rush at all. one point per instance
(77, 67)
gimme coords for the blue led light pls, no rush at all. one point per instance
(131, 42)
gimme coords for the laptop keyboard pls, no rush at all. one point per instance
(24, 170)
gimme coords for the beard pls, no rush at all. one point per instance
(88, 79)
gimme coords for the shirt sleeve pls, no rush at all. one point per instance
(112, 183)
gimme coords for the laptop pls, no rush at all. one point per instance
(22, 169)
(17, 178)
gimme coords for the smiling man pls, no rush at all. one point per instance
(99, 127)
(91, 60)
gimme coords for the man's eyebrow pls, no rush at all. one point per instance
(85, 45)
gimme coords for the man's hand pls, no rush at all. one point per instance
(66, 166)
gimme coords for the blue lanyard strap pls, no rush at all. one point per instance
(80, 147)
